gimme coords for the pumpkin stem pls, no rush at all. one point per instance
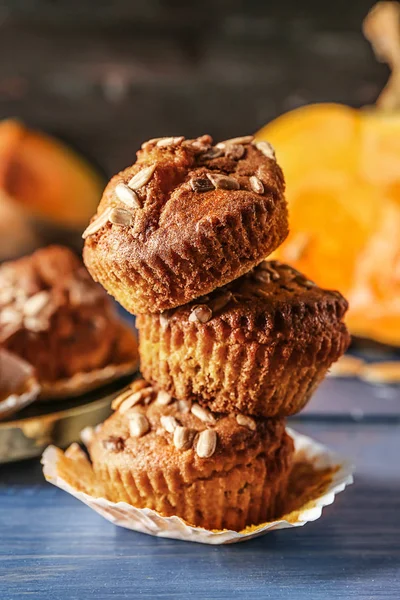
(381, 27)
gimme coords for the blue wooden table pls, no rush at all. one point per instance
(53, 548)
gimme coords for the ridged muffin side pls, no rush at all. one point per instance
(186, 218)
(228, 472)
(260, 345)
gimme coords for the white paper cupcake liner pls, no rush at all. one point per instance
(72, 472)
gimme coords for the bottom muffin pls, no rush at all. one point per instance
(214, 471)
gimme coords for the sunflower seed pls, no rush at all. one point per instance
(6, 295)
(134, 399)
(234, 151)
(206, 443)
(142, 177)
(183, 438)
(116, 403)
(244, 139)
(163, 398)
(266, 149)
(114, 444)
(87, 435)
(200, 314)
(10, 316)
(203, 414)
(223, 182)
(256, 185)
(127, 196)
(170, 141)
(184, 406)
(201, 184)
(120, 216)
(169, 423)
(139, 384)
(35, 304)
(150, 142)
(261, 276)
(138, 425)
(212, 153)
(221, 301)
(246, 422)
(35, 324)
(97, 224)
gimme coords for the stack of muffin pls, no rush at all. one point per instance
(230, 344)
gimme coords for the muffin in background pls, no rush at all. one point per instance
(213, 470)
(56, 318)
(259, 345)
(186, 218)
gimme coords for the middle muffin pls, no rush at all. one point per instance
(259, 345)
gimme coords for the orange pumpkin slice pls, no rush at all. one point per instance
(45, 177)
(342, 170)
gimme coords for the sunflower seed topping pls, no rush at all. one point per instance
(221, 300)
(256, 185)
(200, 314)
(206, 443)
(134, 399)
(170, 141)
(201, 184)
(169, 423)
(212, 153)
(121, 217)
(184, 406)
(266, 149)
(151, 142)
(116, 403)
(244, 139)
(246, 422)
(138, 425)
(163, 398)
(127, 196)
(142, 177)
(203, 414)
(223, 182)
(114, 444)
(234, 151)
(183, 438)
(36, 303)
(97, 224)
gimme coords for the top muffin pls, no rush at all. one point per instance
(186, 218)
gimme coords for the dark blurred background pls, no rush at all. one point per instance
(106, 75)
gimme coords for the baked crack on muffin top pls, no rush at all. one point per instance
(186, 218)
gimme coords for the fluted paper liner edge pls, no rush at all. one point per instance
(148, 521)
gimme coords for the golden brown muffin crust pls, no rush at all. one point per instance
(272, 297)
(260, 344)
(179, 241)
(242, 481)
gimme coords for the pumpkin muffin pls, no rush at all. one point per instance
(55, 317)
(186, 218)
(259, 345)
(214, 471)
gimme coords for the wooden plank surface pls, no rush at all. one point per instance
(54, 547)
